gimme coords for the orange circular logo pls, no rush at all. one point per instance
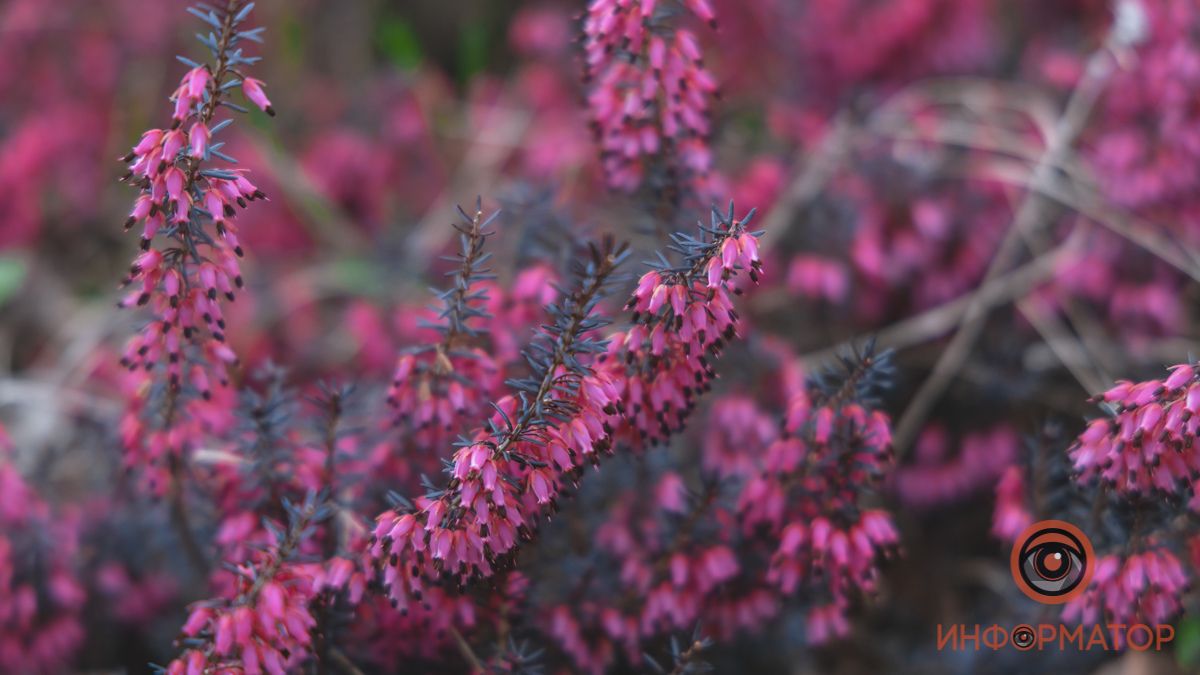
(1053, 562)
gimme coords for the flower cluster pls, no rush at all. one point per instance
(735, 429)
(500, 480)
(1142, 456)
(660, 566)
(437, 387)
(1148, 138)
(1135, 588)
(1148, 445)
(189, 239)
(41, 595)
(935, 479)
(670, 552)
(649, 93)
(811, 496)
(683, 316)
(850, 42)
(267, 626)
(584, 394)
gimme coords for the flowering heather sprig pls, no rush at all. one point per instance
(568, 410)
(1143, 587)
(189, 209)
(683, 316)
(266, 626)
(649, 102)
(670, 564)
(664, 559)
(1148, 446)
(501, 480)
(436, 387)
(810, 498)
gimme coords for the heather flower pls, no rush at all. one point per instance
(1147, 445)
(1142, 587)
(649, 98)
(811, 496)
(1011, 516)
(265, 625)
(817, 278)
(1147, 134)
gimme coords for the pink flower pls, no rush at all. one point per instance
(1147, 446)
(253, 89)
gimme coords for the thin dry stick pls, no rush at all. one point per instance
(934, 322)
(809, 180)
(343, 662)
(477, 174)
(978, 137)
(324, 219)
(1081, 356)
(1029, 215)
(1136, 231)
(1063, 344)
(469, 654)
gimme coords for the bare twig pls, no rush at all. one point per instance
(1063, 344)
(343, 662)
(182, 522)
(810, 179)
(936, 321)
(1133, 229)
(1029, 215)
(469, 654)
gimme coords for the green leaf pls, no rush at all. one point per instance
(355, 275)
(398, 42)
(12, 276)
(294, 39)
(1187, 641)
(473, 50)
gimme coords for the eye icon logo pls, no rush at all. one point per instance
(1053, 561)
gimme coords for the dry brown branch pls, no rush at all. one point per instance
(1030, 215)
